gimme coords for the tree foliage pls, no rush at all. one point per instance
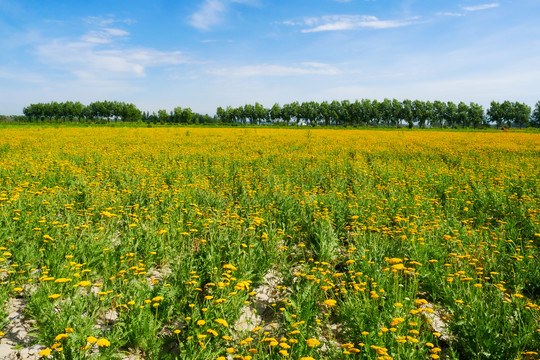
(364, 112)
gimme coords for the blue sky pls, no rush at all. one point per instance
(202, 54)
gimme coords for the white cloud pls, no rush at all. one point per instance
(349, 22)
(104, 36)
(481, 7)
(306, 68)
(213, 12)
(210, 14)
(106, 21)
(96, 55)
(447, 13)
(467, 9)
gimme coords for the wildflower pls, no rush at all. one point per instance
(103, 342)
(60, 337)
(246, 341)
(222, 322)
(229, 267)
(312, 342)
(330, 302)
(91, 339)
(201, 322)
(61, 280)
(45, 352)
(396, 321)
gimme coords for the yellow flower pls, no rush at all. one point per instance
(201, 322)
(330, 302)
(313, 342)
(222, 322)
(91, 339)
(246, 341)
(60, 337)
(103, 342)
(61, 280)
(45, 352)
(84, 283)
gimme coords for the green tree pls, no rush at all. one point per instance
(522, 114)
(407, 113)
(451, 115)
(419, 113)
(476, 115)
(385, 110)
(463, 114)
(495, 114)
(163, 116)
(397, 110)
(275, 113)
(535, 118)
(507, 112)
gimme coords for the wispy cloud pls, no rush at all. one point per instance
(106, 21)
(481, 7)
(100, 54)
(104, 36)
(352, 22)
(86, 59)
(449, 13)
(209, 15)
(306, 68)
(213, 12)
(468, 9)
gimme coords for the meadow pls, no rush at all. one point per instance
(259, 243)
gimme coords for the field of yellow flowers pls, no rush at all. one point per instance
(257, 243)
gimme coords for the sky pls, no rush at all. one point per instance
(162, 54)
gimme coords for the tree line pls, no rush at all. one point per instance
(365, 112)
(106, 111)
(388, 113)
